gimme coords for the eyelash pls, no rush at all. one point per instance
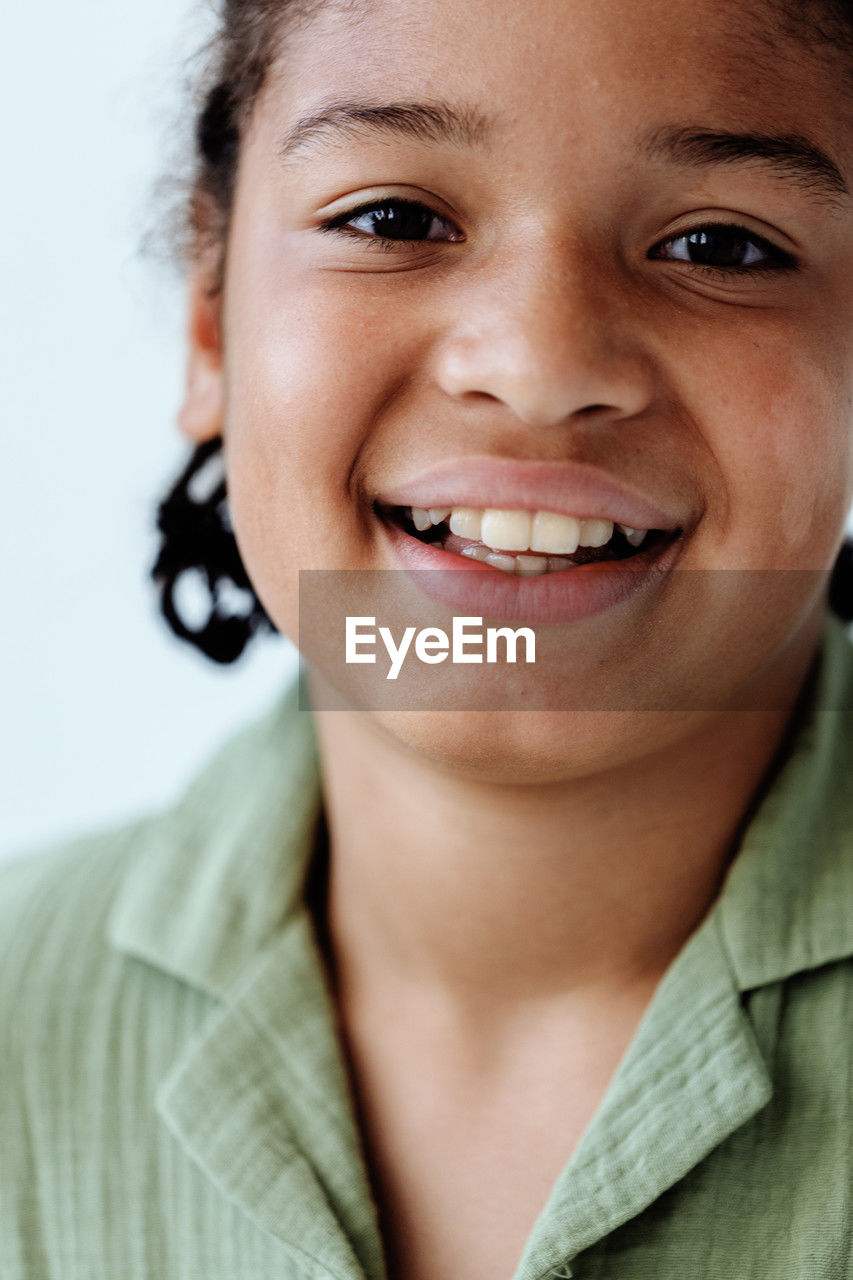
(775, 259)
(338, 224)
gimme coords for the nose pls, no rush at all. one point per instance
(547, 338)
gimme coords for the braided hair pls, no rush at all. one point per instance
(193, 521)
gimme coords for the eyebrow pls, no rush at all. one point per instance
(426, 121)
(791, 156)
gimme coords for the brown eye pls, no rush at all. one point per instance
(728, 248)
(395, 220)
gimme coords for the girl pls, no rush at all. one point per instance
(545, 310)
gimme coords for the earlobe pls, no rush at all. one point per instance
(202, 412)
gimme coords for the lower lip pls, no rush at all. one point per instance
(564, 595)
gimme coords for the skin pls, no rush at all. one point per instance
(507, 888)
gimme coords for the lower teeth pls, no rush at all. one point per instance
(524, 566)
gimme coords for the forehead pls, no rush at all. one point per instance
(582, 65)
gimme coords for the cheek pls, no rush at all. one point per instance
(778, 429)
(311, 363)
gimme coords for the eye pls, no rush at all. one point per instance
(725, 248)
(394, 221)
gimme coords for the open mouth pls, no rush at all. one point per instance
(527, 543)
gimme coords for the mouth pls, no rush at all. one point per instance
(528, 543)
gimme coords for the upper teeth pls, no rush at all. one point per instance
(525, 530)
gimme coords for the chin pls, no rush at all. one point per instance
(519, 747)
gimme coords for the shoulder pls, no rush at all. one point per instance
(73, 909)
(65, 988)
(54, 902)
(86, 1032)
(117, 948)
(59, 973)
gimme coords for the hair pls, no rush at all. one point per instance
(197, 536)
(193, 520)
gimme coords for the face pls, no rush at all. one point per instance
(594, 266)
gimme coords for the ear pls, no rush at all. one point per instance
(202, 412)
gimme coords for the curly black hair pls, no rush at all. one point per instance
(196, 531)
(197, 536)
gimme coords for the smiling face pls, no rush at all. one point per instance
(616, 235)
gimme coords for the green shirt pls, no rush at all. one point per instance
(174, 1103)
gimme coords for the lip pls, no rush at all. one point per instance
(567, 488)
(477, 589)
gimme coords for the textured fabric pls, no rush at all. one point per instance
(174, 1104)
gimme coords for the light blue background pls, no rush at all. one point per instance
(104, 714)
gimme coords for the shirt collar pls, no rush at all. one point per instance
(214, 879)
(784, 907)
